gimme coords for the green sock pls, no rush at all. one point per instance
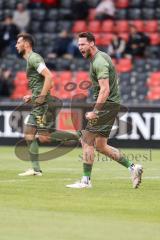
(87, 169)
(33, 152)
(125, 162)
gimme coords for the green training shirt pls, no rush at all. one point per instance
(35, 64)
(101, 67)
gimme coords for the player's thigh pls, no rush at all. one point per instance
(30, 127)
(44, 136)
(100, 142)
(29, 132)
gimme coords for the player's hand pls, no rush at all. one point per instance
(27, 98)
(91, 115)
(40, 99)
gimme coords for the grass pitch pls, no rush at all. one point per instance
(41, 208)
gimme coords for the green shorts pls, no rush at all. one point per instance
(103, 124)
(42, 118)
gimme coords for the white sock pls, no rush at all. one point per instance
(131, 168)
(85, 179)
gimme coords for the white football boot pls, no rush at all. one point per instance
(136, 175)
(80, 184)
(30, 172)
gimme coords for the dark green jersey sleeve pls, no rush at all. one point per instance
(35, 65)
(37, 62)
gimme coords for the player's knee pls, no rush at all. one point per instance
(101, 148)
(44, 138)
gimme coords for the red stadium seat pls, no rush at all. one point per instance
(94, 26)
(98, 38)
(154, 38)
(155, 90)
(65, 77)
(79, 26)
(153, 96)
(139, 24)
(151, 26)
(21, 78)
(106, 39)
(20, 85)
(107, 26)
(20, 91)
(154, 86)
(21, 74)
(17, 95)
(154, 80)
(122, 3)
(82, 76)
(124, 36)
(122, 26)
(124, 65)
(155, 76)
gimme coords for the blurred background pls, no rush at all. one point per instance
(128, 30)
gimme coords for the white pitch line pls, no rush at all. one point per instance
(13, 180)
(28, 178)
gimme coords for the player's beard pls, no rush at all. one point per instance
(88, 54)
(22, 53)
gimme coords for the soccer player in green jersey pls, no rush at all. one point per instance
(40, 83)
(102, 117)
(40, 123)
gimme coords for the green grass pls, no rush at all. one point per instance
(41, 208)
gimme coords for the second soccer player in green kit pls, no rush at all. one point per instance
(40, 123)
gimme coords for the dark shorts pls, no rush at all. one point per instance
(103, 124)
(41, 117)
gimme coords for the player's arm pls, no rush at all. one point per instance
(102, 97)
(41, 68)
(102, 72)
(48, 83)
(103, 94)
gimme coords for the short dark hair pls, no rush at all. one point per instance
(27, 37)
(90, 37)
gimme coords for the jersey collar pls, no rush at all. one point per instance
(95, 55)
(29, 55)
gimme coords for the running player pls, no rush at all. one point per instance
(102, 117)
